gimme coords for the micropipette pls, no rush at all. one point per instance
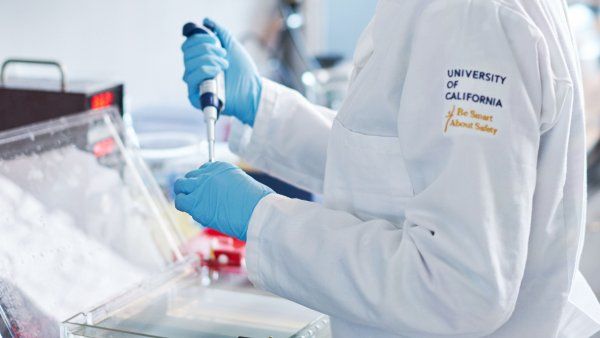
(212, 92)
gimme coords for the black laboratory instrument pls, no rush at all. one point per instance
(24, 101)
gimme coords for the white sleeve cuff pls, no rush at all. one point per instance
(253, 238)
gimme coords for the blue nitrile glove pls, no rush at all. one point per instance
(204, 59)
(220, 196)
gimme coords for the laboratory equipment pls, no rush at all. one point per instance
(82, 219)
(178, 304)
(28, 100)
(212, 94)
(217, 252)
(87, 235)
(290, 57)
(327, 86)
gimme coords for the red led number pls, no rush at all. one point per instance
(102, 100)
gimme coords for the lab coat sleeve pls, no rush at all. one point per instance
(454, 267)
(289, 138)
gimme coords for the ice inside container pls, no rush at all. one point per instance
(87, 239)
(80, 217)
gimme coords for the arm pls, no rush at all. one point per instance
(289, 138)
(455, 266)
(275, 129)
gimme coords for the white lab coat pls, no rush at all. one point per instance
(453, 178)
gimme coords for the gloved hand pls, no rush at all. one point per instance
(203, 60)
(220, 196)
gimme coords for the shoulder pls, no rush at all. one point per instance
(473, 16)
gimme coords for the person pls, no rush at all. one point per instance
(453, 175)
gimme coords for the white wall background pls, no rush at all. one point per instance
(137, 41)
(133, 41)
(345, 21)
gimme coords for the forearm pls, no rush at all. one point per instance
(289, 138)
(371, 272)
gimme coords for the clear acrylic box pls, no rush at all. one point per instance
(88, 235)
(180, 304)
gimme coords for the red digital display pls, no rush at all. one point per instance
(102, 100)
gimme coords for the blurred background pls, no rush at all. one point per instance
(303, 44)
(138, 42)
(306, 45)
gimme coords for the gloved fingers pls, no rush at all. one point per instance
(192, 174)
(204, 49)
(185, 203)
(209, 170)
(210, 24)
(195, 78)
(212, 169)
(203, 61)
(215, 165)
(199, 39)
(221, 32)
(197, 173)
(194, 97)
(185, 186)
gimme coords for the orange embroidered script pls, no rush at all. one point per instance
(457, 117)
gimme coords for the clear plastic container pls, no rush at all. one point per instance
(180, 304)
(82, 219)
